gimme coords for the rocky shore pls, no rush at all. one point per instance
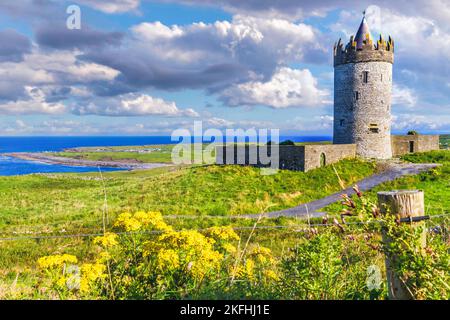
(47, 158)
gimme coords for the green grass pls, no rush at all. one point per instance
(435, 183)
(72, 203)
(42, 205)
(161, 155)
(444, 141)
(208, 190)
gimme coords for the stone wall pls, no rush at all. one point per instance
(289, 157)
(298, 158)
(332, 152)
(402, 144)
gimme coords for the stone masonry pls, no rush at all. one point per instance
(299, 158)
(362, 94)
(414, 143)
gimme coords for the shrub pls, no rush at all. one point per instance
(148, 259)
(287, 143)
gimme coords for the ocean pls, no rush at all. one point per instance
(13, 166)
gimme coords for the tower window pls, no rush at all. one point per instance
(365, 76)
(373, 128)
(381, 77)
(356, 95)
(342, 122)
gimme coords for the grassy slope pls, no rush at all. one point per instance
(74, 202)
(42, 205)
(213, 190)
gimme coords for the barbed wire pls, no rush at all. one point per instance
(305, 228)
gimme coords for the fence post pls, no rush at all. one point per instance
(405, 203)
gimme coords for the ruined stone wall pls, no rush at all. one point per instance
(298, 158)
(362, 111)
(428, 143)
(332, 152)
(402, 144)
(289, 157)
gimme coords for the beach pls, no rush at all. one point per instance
(129, 164)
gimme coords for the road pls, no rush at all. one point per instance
(395, 171)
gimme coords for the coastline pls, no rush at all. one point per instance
(45, 158)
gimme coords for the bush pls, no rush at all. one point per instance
(150, 260)
(287, 143)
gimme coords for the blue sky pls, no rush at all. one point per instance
(140, 67)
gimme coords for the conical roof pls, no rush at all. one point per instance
(362, 34)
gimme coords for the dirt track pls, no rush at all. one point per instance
(394, 172)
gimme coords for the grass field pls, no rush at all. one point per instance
(58, 204)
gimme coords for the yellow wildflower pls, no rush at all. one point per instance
(108, 240)
(89, 274)
(56, 261)
(133, 222)
(126, 221)
(229, 248)
(167, 259)
(262, 255)
(222, 233)
(154, 219)
(104, 256)
(184, 251)
(271, 275)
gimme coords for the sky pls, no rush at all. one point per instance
(138, 67)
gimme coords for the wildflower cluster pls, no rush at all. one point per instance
(133, 222)
(258, 263)
(133, 263)
(56, 261)
(67, 278)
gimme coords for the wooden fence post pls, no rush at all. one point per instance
(406, 204)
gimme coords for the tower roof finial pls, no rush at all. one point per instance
(363, 33)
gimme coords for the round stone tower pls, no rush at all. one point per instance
(362, 93)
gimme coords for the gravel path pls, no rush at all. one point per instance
(396, 171)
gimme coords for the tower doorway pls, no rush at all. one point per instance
(323, 160)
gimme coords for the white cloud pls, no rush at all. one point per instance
(34, 104)
(287, 88)
(307, 123)
(112, 6)
(39, 69)
(132, 105)
(65, 65)
(210, 55)
(406, 122)
(403, 96)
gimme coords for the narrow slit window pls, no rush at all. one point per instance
(342, 122)
(356, 95)
(373, 128)
(365, 76)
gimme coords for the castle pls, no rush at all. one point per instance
(362, 111)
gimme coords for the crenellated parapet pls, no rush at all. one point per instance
(382, 50)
